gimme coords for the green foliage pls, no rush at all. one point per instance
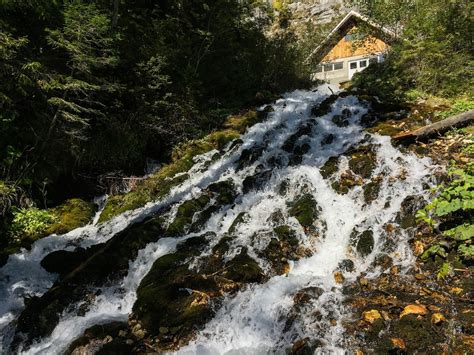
(444, 271)
(434, 52)
(458, 106)
(87, 90)
(29, 223)
(452, 207)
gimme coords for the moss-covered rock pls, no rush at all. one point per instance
(363, 161)
(242, 268)
(31, 224)
(305, 210)
(241, 218)
(330, 167)
(174, 298)
(346, 182)
(410, 205)
(256, 181)
(371, 190)
(364, 242)
(100, 339)
(185, 214)
(72, 214)
(109, 261)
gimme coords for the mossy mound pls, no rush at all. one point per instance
(72, 214)
(31, 224)
(159, 184)
(305, 210)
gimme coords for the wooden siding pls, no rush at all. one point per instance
(344, 48)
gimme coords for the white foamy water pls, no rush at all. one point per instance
(255, 320)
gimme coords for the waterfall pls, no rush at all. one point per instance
(278, 161)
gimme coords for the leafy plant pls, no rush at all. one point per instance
(29, 222)
(452, 207)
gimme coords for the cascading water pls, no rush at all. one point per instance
(278, 162)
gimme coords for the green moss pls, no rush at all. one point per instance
(240, 123)
(363, 161)
(243, 268)
(305, 210)
(185, 214)
(72, 214)
(241, 217)
(364, 241)
(371, 191)
(330, 167)
(285, 233)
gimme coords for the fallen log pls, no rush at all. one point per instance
(458, 120)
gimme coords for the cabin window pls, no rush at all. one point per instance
(354, 65)
(373, 60)
(363, 63)
(319, 69)
(327, 67)
(338, 66)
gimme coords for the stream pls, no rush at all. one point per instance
(311, 197)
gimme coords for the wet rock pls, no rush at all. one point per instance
(109, 262)
(304, 346)
(256, 181)
(364, 242)
(298, 153)
(242, 268)
(241, 218)
(286, 234)
(410, 205)
(338, 277)
(95, 339)
(307, 294)
(291, 142)
(185, 214)
(248, 157)
(346, 265)
(363, 161)
(63, 262)
(328, 139)
(371, 316)
(305, 210)
(325, 106)
(330, 167)
(371, 190)
(284, 186)
(347, 181)
(171, 295)
(340, 120)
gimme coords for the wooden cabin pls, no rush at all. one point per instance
(351, 47)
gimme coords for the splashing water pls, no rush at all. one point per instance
(256, 319)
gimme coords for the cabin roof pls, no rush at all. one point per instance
(347, 23)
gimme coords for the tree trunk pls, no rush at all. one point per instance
(459, 120)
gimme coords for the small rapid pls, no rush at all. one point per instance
(279, 162)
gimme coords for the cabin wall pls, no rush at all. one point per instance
(335, 66)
